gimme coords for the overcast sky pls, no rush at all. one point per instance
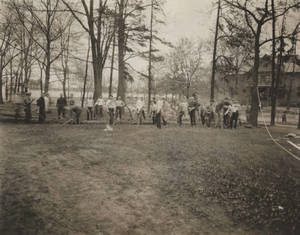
(191, 18)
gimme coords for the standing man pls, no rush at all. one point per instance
(192, 107)
(159, 106)
(71, 100)
(99, 107)
(203, 111)
(60, 105)
(234, 115)
(153, 111)
(164, 111)
(27, 103)
(111, 107)
(182, 108)
(140, 105)
(42, 112)
(90, 106)
(120, 104)
(218, 116)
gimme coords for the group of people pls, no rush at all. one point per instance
(25, 100)
(95, 109)
(222, 114)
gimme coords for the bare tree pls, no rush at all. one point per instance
(212, 86)
(256, 16)
(45, 16)
(7, 52)
(184, 64)
(100, 28)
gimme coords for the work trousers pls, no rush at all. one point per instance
(111, 113)
(180, 115)
(192, 114)
(89, 113)
(234, 119)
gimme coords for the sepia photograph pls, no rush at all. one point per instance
(149, 117)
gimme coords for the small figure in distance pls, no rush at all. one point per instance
(120, 104)
(99, 107)
(153, 111)
(90, 107)
(27, 103)
(42, 109)
(182, 109)
(111, 107)
(283, 117)
(60, 105)
(140, 105)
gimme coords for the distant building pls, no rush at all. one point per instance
(237, 86)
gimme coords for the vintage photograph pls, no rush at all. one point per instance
(149, 117)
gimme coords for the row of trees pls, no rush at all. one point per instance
(46, 34)
(245, 30)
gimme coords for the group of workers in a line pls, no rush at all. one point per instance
(224, 114)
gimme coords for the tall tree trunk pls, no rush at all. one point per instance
(150, 58)
(277, 80)
(188, 91)
(212, 86)
(48, 67)
(16, 82)
(273, 109)
(1, 82)
(11, 80)
(289, 95)
(254, 88)
(6, 87)
(85, 75)
(65, 89)
(96, 69)
(121, 51)
(112, 65)
(113, 54)
(299, 119)
(41, 80)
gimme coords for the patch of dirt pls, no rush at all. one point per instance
(141, 180)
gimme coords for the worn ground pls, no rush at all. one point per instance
(140, 180)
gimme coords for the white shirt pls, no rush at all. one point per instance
(159, 106)
(235, 108)
(111, 104)
(100, 102)
(153, 107)
(89, 103)
(183, 106)
(120, 103)
(140, 105)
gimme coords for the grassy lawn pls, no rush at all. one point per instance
(140, 180)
